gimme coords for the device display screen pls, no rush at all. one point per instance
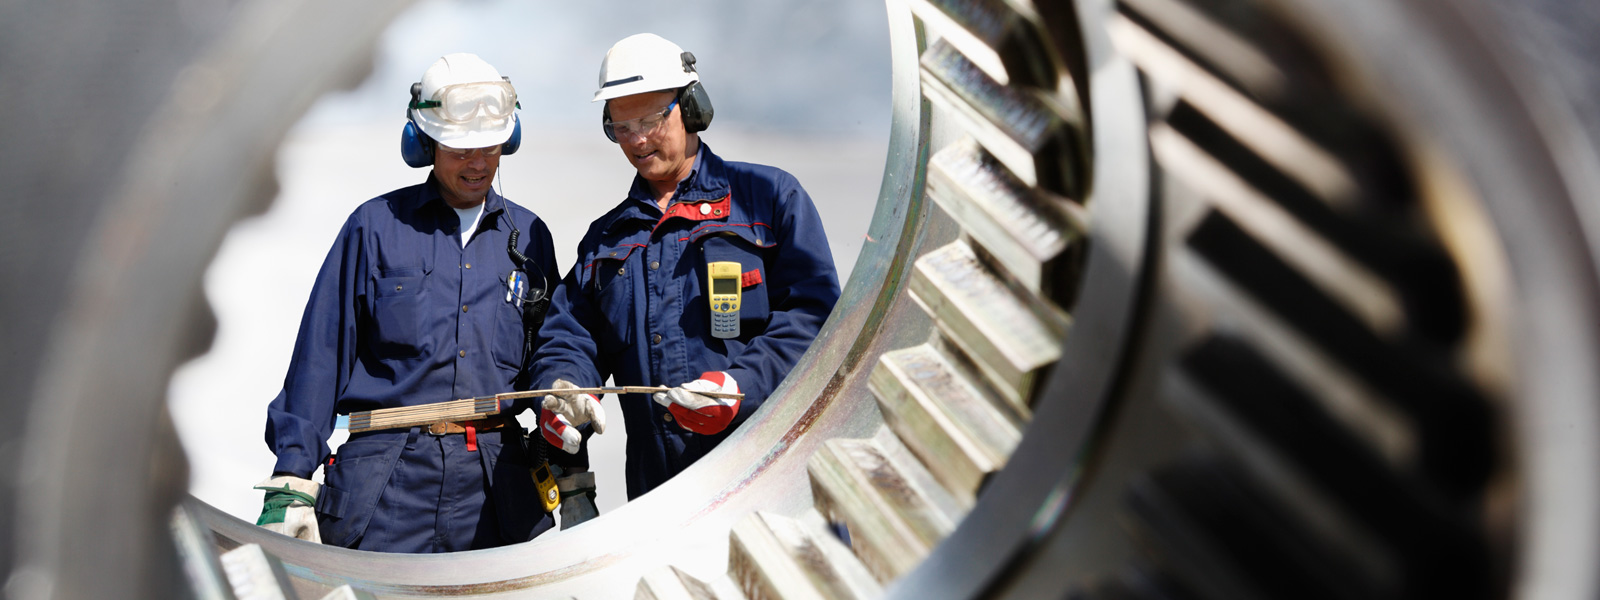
(724, 286)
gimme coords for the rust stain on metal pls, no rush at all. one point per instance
(801, 425)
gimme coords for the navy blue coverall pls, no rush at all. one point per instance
(634, 307)
(402, 315)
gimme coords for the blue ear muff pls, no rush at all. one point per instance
(511, 145)
(416, 147)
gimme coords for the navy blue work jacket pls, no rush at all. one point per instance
(402, 315)
(634, 307)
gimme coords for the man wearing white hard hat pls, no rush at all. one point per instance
(430, 294)
(710, 276)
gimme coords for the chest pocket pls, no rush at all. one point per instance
(397, 313)
(510, 327)
(610, 290)
(509, 332)
(746, 248)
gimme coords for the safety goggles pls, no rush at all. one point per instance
(463, 102)
(641, 126)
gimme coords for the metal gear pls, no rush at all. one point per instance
(1165, 299)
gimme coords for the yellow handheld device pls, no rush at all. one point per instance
(548, 494)
(725, 289)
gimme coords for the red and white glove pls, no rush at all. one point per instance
(561, 415)
(699, 413)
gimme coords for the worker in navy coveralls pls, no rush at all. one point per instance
(413, 305)
(635, 307)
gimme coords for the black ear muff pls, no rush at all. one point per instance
(415, 146)
(696, 107)
(693, 100)
(605, 117)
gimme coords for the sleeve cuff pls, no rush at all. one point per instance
(295, 464)
(547, 379)
(754, 396)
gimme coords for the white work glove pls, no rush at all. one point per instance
(562, 414)
(289, 507)
(699, 413)
(577, 499)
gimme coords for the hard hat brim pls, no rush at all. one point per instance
(459, 137)
(643, 86)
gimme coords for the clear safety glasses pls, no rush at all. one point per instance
(641, 126)
(463, 102)
(466, 153)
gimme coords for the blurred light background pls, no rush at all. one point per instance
(800, 85)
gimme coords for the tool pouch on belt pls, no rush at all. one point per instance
(353, 484)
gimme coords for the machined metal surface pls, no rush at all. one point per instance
(808, 565)
(944, 416)
(1162, 299)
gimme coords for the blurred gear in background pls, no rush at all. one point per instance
(1205, 299)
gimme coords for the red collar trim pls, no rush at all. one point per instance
(704, 210)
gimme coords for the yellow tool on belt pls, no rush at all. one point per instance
(549, 493)
(472, 409)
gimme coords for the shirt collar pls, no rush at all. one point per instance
(706, 181)
(494, 204)
(640, 190)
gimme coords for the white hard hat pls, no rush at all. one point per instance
(464, 103)
(643, 62)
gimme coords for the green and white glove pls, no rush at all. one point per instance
(289, 507)
(577, 499)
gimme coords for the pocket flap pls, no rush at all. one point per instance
(601, 267)
(758, 235)
(619, 252)
(388, 287)
(332, 502)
